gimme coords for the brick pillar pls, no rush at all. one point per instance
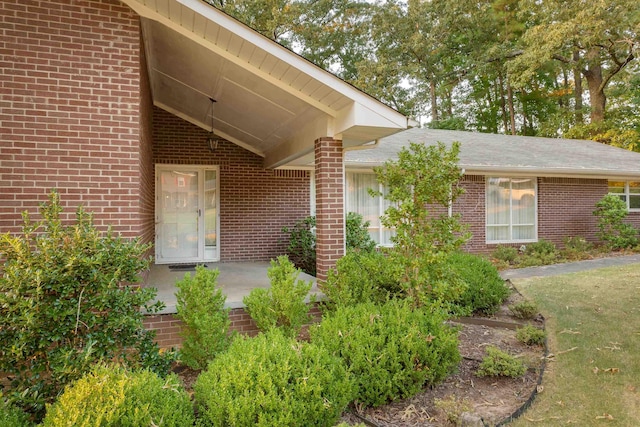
(329, 175)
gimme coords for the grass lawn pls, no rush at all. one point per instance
(593, 326)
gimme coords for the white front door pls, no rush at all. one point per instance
(187, 214)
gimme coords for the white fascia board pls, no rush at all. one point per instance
(301, 144)
(359, 115)
(553, 173)
(293, 59)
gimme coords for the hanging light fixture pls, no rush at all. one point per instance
(212, 139)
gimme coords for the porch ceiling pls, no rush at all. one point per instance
(269, 100)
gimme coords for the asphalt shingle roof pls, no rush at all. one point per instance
(492, 153)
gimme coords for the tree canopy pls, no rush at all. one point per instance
(555, 68)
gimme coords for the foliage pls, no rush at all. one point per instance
(66, 304)
(272, 380)
(452, 407)
(541, 252)
(576, 248)
(200, 307)
(530, 335)
(392, 350)
(302, 244)
(505, 253)
(524, 309)
(611, 212)
(112, 396)
(485, 290)
(497, 363)
(283, 304)
(12, 416)
(422, 180)
(302, 240)
(361, 277)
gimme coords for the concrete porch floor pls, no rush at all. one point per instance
(236, 279)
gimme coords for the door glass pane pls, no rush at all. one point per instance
(210, 208)
(179, 214)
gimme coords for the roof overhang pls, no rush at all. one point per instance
(270, 100)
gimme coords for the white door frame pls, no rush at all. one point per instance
(204, 254)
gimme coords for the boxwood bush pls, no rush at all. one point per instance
(392, 350)
(273, 380)
(362, 277)
(113, 396)
(12, 416)
(485, 290)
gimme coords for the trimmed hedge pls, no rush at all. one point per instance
(393, 350)
(113, 396)
(273, 380)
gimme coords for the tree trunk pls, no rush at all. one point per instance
(512, 112)
(577, 94)
(503, 106)
(434, 101)
(597, 98)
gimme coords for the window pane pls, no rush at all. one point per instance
(498, 201)
(495, 234)
(616, 187)
(634, 187)
(511, 209)
(523, 202)
(634, 202)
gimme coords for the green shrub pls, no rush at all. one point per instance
(524, 310)
(497, 363)
(283, 304)
(576, 248)
(530, 335)
(65, 305)
(393, 350)
(12, 416)
(302, 240)
(541, 252)
(272, 380)
(112, 396)
(611, 212)
(485, 290)
(361, 277)
(200, 306)
(508, 254)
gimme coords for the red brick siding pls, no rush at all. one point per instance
(167, 326)
(565, 207)
(255, 203)
(330, 223)
(471, 205)
(147, 188)
(69, 109)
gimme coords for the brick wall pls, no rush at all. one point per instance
(471, 205)
(147, 188)
(255, 203)
(167, 326)
(69, 109)
(330, 221)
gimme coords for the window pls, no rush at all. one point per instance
(359, 200)
(628, 191)
(511, 210)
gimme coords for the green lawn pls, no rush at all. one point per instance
(593, 324)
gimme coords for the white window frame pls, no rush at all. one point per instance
(626, 194)
(486, 211)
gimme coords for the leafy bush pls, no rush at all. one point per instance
(362, 277)
(541, 252)
(393, 350)
(497, 363)
(283, 304)
(530, 335)
(485, 290)
(576, 248)
(200, 306)
(65, 305)
(611, 212)
(422, 180)
(12, 416)
(302, 244)
(272, 380)
(302, 240)
(112, 396)
(508, 254)
(524, 310)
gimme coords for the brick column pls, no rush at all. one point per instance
(329, 175)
